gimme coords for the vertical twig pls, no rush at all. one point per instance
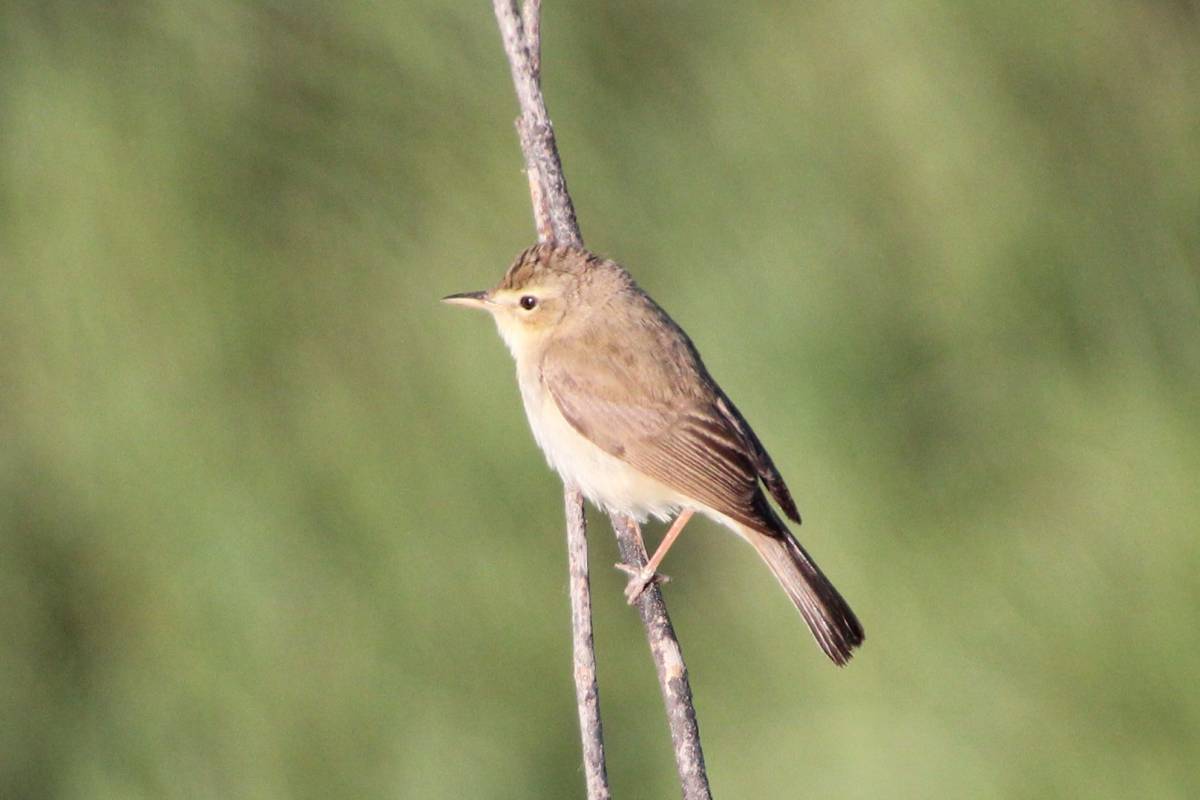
(554, 216)
(537, 135)
(587, 692)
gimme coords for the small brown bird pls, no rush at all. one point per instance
(623, 408)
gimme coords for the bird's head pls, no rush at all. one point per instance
(544, 290)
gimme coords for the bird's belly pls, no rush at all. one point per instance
(604, 479)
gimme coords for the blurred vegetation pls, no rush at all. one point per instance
(271, 524)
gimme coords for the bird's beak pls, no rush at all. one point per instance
(468, 299)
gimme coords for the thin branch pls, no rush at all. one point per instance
(554, 216)
(587, 691)
(669, 664)
(536, 132)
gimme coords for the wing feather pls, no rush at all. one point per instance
(676, 431)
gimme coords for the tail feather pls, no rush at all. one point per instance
(833, 624)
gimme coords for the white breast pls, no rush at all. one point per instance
(607, 481)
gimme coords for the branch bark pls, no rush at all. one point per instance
(670, 666)
(553, 211)
(554, 217)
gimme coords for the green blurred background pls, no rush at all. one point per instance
(271, 522)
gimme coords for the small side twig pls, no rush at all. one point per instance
(554, 216)
(532, 17)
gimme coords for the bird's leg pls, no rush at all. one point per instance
(641, 578)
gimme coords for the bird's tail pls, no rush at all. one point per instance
(833, 624)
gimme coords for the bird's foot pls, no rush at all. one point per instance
(639, 579)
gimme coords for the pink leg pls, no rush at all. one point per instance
(642, 578)
(668, 540)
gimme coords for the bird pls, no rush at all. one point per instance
(623, 408)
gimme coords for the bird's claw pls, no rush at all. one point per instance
(639, 579)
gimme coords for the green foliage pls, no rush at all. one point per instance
(271, 524)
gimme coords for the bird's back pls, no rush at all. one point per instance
(655, 407)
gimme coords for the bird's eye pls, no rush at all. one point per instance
(528, 302)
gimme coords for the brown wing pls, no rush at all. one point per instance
(763, 464)
(638, 407)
